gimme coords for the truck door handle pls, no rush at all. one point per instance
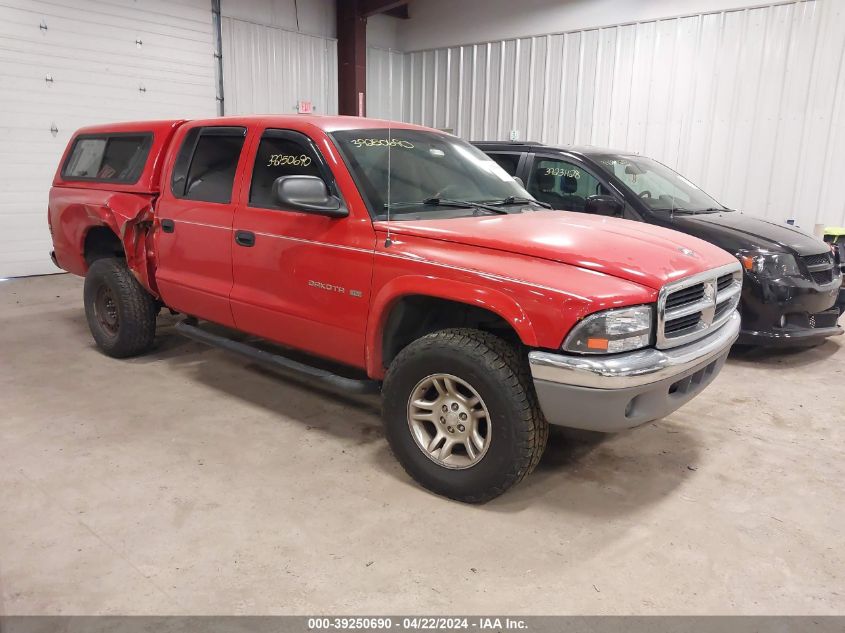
(245, 238)
(168, 226)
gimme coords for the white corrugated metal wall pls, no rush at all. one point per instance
(267, 69)
(385, 69)
(750, 104)
(69, 63)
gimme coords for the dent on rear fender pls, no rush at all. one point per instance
(131, 218)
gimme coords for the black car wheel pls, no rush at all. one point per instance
(121, 314)
(461, 415)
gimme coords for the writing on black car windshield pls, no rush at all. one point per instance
(660, 188)
(427, 174)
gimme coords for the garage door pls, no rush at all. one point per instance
(69, 63)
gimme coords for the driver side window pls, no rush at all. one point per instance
(280, 154)
(564, 185)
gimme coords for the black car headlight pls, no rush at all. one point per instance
(838, 251)
(766, 264)
(611, 331)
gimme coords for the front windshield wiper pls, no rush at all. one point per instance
(673, 210)
(520, 200)
(458, 204)
(696, 211)
(445, 202)
(691, 211)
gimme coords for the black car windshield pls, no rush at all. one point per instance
(430, 174)
(660, 188)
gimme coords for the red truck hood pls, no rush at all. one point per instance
(648, 255)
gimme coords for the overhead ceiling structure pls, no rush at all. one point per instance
(394, 8)
(352, 48)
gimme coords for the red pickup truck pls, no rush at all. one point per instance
(395, 258)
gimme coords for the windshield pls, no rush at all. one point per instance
(660, 188)
(431, 174)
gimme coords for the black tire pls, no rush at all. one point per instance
(121, 313)
(500, 375)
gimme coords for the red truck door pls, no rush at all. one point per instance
(300, 279)
(194, 223)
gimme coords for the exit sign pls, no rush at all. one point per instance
(304, 107)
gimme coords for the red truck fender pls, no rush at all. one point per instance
(133, 217)
(129, 216)
(388, 295)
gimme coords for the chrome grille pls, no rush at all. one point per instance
(722, 308)
(685, 296)
(693, 307)
(723, 282)
(682, 323)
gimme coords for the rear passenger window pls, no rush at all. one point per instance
(118, 158)
(206, 165)
(281, 153)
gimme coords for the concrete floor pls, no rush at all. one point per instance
(189, 481)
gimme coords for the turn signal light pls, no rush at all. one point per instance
(597, 343)
(611, 331)
(747, 262)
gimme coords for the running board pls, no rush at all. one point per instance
(276, 361)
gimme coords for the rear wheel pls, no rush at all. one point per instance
(461, 415)
(121, 314)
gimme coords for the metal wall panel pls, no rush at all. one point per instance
(69, 63)
(749, 104)
(385, 83)
(268, 69)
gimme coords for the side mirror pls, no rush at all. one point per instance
(604, 205)
(519, 181)
(309, 194)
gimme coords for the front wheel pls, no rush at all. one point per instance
(461, 415)
(121, 313)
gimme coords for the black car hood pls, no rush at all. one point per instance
(735, 231)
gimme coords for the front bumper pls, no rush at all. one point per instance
(621, 391)
(840, 300)
(788, 311)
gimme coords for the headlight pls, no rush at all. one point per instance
(838, 252)
(769, 264)
(611, 331)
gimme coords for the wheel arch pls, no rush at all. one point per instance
(393, 323)
(100, 241)
(119, 226)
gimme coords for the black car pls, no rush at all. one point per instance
(792, 291)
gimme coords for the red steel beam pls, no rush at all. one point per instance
(351, 57)
(352, 50)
